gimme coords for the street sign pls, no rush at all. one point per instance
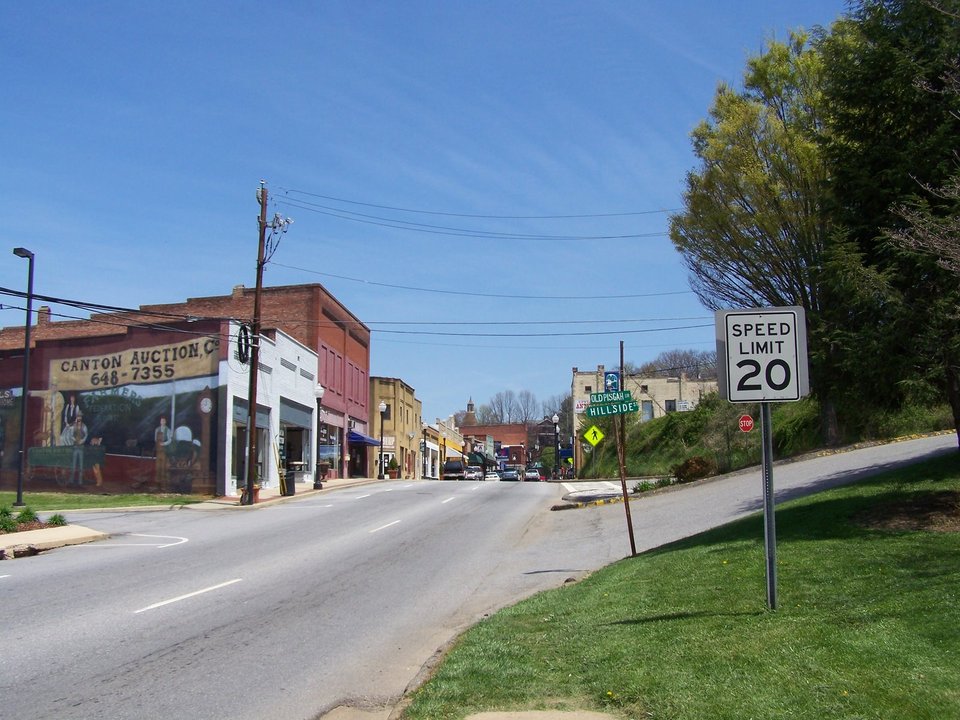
(611, 381)
(762, 354)
(746, 423)
(609, 397)
(593, 435)
(604, 409)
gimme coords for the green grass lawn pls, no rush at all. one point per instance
(41, 502)
(868, 624)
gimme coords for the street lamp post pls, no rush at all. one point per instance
(24, 253)
(407, 464)
(318, 477)
(443, 454)
(556, 445)
(382, 407)
(423, 475)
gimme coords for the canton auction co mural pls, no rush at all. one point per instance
(142, 419)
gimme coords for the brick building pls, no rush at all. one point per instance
(327, 345)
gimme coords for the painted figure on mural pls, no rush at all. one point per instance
(75, 436)
(162, 438)
(68, 415)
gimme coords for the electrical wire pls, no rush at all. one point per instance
(485, 217)
(477, 294)
(450, 231)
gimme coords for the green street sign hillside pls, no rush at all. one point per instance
(604, 409)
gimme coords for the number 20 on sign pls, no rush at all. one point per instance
(762, 354)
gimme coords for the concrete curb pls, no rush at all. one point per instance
(30, 542)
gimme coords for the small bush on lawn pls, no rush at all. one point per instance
(8, 524)
(694, 468)
(26, 516)
(56, 520)
(6, 512)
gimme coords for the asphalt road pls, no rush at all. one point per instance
(340, 598)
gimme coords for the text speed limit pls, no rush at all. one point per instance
(762, 354)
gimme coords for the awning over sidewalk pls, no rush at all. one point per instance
(357, 438)
(480, 458)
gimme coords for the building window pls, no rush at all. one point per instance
(670, 405)
(643, 389)
(588, 388)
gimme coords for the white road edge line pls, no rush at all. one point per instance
(444, 502)
(361, 497)
(188, 595)
(3, 576)
(384, 527)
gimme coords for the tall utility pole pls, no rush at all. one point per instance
(265, 249)
(251, 469)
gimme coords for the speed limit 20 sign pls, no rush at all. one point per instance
(762, 354)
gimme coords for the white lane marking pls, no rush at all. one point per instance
(476, 488)
(361, 497)
(179, 540)
(384, 527)
(188, 595)
(444, 502)
(3, 576)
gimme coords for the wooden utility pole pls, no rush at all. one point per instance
(621, 458)
(251, 469)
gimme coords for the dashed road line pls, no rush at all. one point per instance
(188, 595)
(384, 527)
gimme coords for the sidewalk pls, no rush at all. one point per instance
(271, 495)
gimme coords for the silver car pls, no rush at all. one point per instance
(531, 474)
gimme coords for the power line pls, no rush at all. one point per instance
(485, 217)
(445, 230)
(477, 294)
(563, 334)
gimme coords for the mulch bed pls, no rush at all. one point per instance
(933, 511)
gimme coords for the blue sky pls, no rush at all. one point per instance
(133, 136)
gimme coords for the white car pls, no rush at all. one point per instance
(492, 476)
(531, 474)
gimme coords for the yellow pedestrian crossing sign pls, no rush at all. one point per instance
(593, 435)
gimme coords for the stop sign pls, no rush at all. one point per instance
(746, 423)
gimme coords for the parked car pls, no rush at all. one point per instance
(473, 472)
(491, 475)
(453, 470)
(531, 474)
(509, 474)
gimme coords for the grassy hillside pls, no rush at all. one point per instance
(711, 432)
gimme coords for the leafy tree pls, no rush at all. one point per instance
(755, 228)
(891, 135)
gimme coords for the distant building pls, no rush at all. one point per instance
(656, 397)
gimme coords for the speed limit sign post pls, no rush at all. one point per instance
(762, 357)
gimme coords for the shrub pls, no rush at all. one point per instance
(664, 482)
(26, 516)
(643, 486)
(8, 524)
(6, 512)
(56, 520)
(694, 468)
